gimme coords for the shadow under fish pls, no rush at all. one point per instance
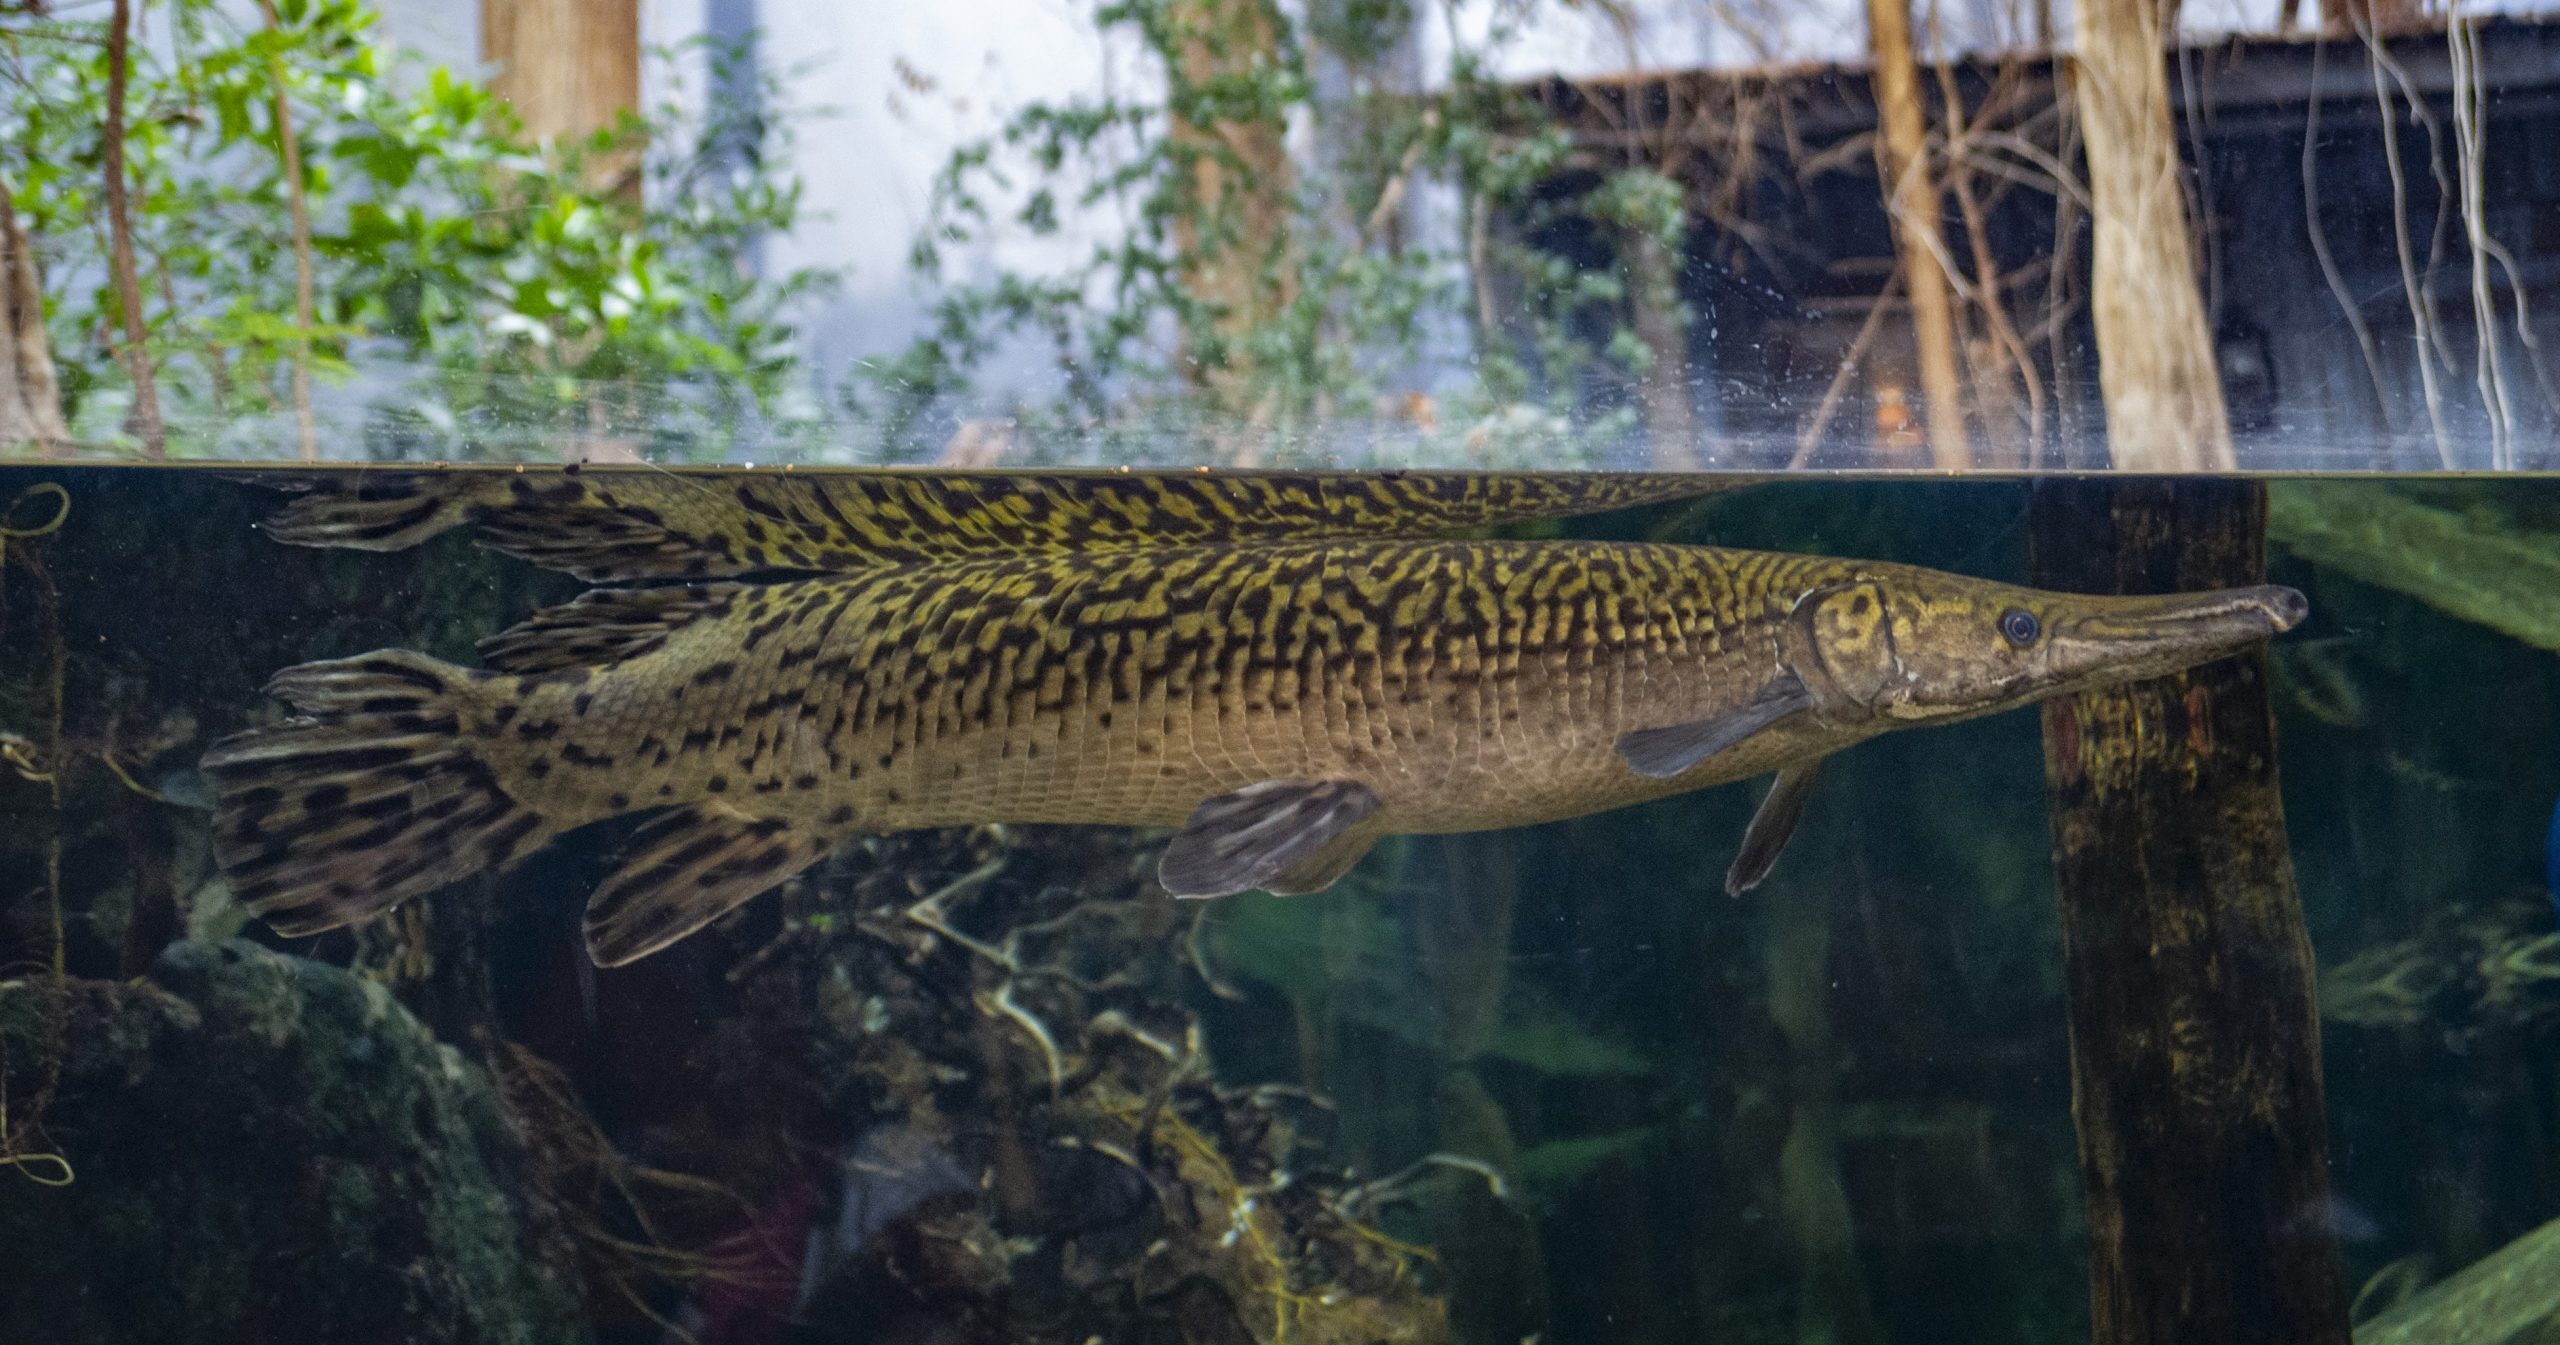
(1284, 668)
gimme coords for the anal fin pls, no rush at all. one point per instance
(1780, 809)
(686, 869)
(1265, 834)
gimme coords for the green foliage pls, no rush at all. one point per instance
(1140, 354)
(517, 290)
(2442, 545)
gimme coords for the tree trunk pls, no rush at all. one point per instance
(1231, 225)
(567, 67)
(143, 422)
(1671, 422)
(30, 399)
(2155, 344)
(1911, 196)
(2195, 1048)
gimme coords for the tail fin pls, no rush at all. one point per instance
(376, 797)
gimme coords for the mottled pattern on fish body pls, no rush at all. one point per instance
(1470, 685)
(619, 525)
(1277, 663)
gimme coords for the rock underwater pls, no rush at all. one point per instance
(266, 1149)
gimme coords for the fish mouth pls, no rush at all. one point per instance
(2140, 636)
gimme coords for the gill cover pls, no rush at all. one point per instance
(1842, 646)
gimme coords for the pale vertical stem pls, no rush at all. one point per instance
(2319, 233)
(306, 429)
(1912, 197)
(2421, 311)
(144, 421)
(2471, 135)
(2155, 349)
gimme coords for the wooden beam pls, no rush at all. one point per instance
(2195, 1048)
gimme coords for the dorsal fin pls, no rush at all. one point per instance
(608, 526)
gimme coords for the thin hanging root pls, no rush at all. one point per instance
(56, 1169)
(44, 1167)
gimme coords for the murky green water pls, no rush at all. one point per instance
(992, 1084)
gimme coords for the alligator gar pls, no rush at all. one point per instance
(1285, 669)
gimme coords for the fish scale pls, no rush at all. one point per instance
(991, 704)
(1273, 665)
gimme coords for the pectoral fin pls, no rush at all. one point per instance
(1780, 809)
(1278, 831)
(1325, 866)
(1665, 752)
(685, 870)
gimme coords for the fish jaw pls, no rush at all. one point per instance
(2129, 639)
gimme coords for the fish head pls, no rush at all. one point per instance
(1918, 645)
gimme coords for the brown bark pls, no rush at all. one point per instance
(2195, 1048)
(1911, 194)
(2155, 346)
(144, 421)
(306, 430)
(1231, 228)
(567, 67)
(30, 398)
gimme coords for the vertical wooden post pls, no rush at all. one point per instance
(568, 67)
(2155, 345)
(1911, 198)
(2195, 1048)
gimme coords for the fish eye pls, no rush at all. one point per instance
(2019, 627)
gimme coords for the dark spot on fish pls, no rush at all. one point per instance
(716, 673)
(718, 784)
(585, 699)
(326, 798)
(536, 730)
(617, 802)
(538, 767)
(842, 815)
(805, 782)
(503, 715)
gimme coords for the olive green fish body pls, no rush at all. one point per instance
(1275, 666)
(1469, 685)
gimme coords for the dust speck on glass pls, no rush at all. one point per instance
(1236, 672)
